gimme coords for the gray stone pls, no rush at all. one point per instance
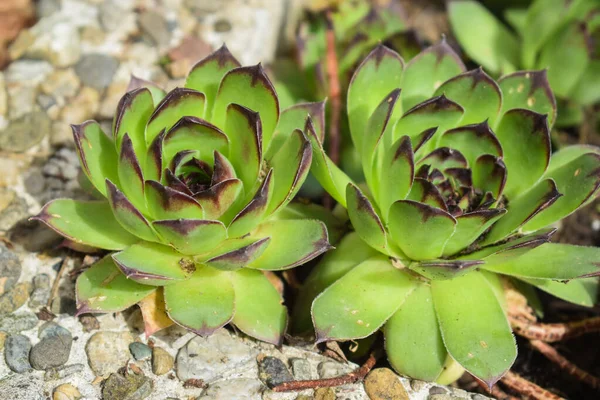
(129, 387)
(10, 269)
(208, 358)
(96, 70)
(22, 387)
(330, 369)
(63, 371)
(140, 351)
(112, 15)
(41, 291)
(162, 361)
(45, 8)
(22, 100)
(108, 351)
(443, 396)
(15, 210)
(16, 353)
(14, 298)
(437, 390)
(301, 369)
(154, 26)
(33, 72)
(53, 349)
(15, 323)
(272, 371)
(239, 389)
(25, 132)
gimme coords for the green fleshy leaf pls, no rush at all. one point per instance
(365, 220)
(207, 74)
(254, 212)
(293, 243)
(436, 112)
(477, 93)
(234, 254)
(583, 292)
(425, 192)
(427, 71)
(566, 58)
(549, 261)
(472, 141)
(529, 90)
(290, 166)
(158, 94)
(203, 303)
(396, 174)
(245, 134)
(578, 181)
(97, 154)
(191, 133)
(131, 177)
(153, 264)
(133, 112)
(217, 199)
(485, 39)
(349, 252)
(329, 175)
(541, 20)
(191, 236)
(469, 227)
(155, 159)
(166, 203)
(127, 215)
(443, 269)
(411, 225)
(489, 175)
(361, 301)
(91, 223)
(523, 209)
(569, 153)
(516, 17)
(474, 327)
(587, 90)
(513, 247)
(413, 341)
(103, 288)
(259, 309)
(293, 118)
(179, 103)
(380, 72)
(336, 225)
(525, 139)
(250, 88)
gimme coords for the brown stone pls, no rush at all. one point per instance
(383, 384)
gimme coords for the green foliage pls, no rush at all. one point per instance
(558, 36)
(460, 193)
(193, 183)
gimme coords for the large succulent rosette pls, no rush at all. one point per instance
(460, 190)
(192, 184)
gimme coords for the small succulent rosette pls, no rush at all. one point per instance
(460, 190)
(562, 36)
(192, 182)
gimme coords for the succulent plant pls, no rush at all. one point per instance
(460, 198)
(192, 184)
(560, 35)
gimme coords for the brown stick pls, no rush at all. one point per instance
(333, 80)
(551, 354)
(495, 391)
(528, 389)
(354, 376)
(555, 332)
(56, 283)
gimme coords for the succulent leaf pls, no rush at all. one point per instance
(259, 311)
(252, 214)
(153, 264)
(191, 133)
(97, 154)
(578, 291)
(471, 226)
(361, 301)
(293, 118)
(416, 323)
(203, 303)
(235, 254)
(158, 94)
(191, 236)
(410, 225)
(166, 203)
(365, 220)
(134, 109)
(489, 174)
(219, 198)
(207, 74)
(397, 174)
(250, 88)
(131, 177)
(90, 223)
(474, 327)
(103, 288)
(472, 141)
(293, 242)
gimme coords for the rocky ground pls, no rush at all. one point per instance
(74, 64)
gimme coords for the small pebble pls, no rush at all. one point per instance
(15, 323)
(140, 351)
(162, 362)
(131, 386)
(66, 391)
(16, 353)
(53, 349)
(325, 394)
(15, 298)
(383, 384)
(62, 372)
(272, 371)
(437, 390)
(108, 351)
(301, 369)
(10, 269)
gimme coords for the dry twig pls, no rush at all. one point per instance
(551, 354)
(56, 284)
(526, 388)
(554, 332)
(352, 377)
